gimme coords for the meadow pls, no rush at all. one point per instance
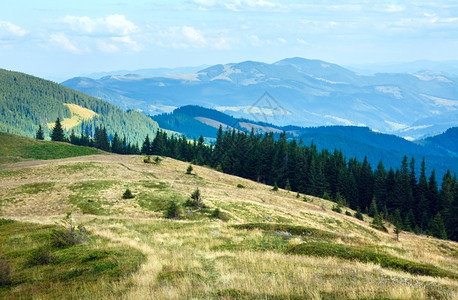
(263, 244)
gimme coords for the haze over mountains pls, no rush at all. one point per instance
(299, 92)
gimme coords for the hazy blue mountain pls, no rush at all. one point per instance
(441, 151)
(447, 67)
(147, 72)
(295, 91)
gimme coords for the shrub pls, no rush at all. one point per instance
(127, 194)
(219, 215)
(147, 159)
(189, 170)
(358, 214)
(157, 159)
(337, 208)
(195, 200)
(298, 195)
(377, 222)
(68, 234)
(240, 186)
(39, 256)
(326, 196)
(348, 213)
(172, 212)
(5, 273)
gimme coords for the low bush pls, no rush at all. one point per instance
(39, 257)
(5, 272)
(240, 186)
(173, 211)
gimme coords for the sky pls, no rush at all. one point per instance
(58, 40)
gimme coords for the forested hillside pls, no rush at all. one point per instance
(27, 102)
(441, 152)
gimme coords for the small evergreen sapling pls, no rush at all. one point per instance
(275, 188)
(127, 194)
(189, 170)
(40, 135)
(173, 211)
(397, 222)
(358, 214)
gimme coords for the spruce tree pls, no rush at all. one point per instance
(397, 222)
(116, 144)
(146, 147)
(373, 208)
(288, 186)
(437, 227)
(39, 135)
(57, 133)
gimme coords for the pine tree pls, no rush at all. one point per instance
(288, 186)
(373, 208)
(358, 214)
(397, 222)
(40, 135)
(57, 133)
(146, 147)
(116, 144)
(275, 188)
(437, 227)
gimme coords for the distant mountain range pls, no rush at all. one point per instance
(294, 91)
(441, 151)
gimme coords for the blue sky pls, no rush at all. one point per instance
(61, 39)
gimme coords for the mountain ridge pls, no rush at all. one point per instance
(308, 92)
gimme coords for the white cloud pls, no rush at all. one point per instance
(302, 41)
(282, 40)
(112, 24)
(9, 30)
(107, 47)
(127, 42)
(62, 40)
(193, 36)
(237, 5)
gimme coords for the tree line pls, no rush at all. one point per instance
(99, 140)
(415, 202)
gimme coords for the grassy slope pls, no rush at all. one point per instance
(15, 148)
(315, 253)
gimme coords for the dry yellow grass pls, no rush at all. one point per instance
(79, 114)
(204, 258)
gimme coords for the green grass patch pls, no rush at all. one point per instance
(35, 188)
(155, 185)
(157, 201)
(36, 268)
(87, 196)
(15, 148)
(326, 249)
(292, 229)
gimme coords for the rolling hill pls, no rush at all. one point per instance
(262, 244)
(294, 91)
(27, 102)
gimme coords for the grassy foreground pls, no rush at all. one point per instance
(14, 148)
(264, 245)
